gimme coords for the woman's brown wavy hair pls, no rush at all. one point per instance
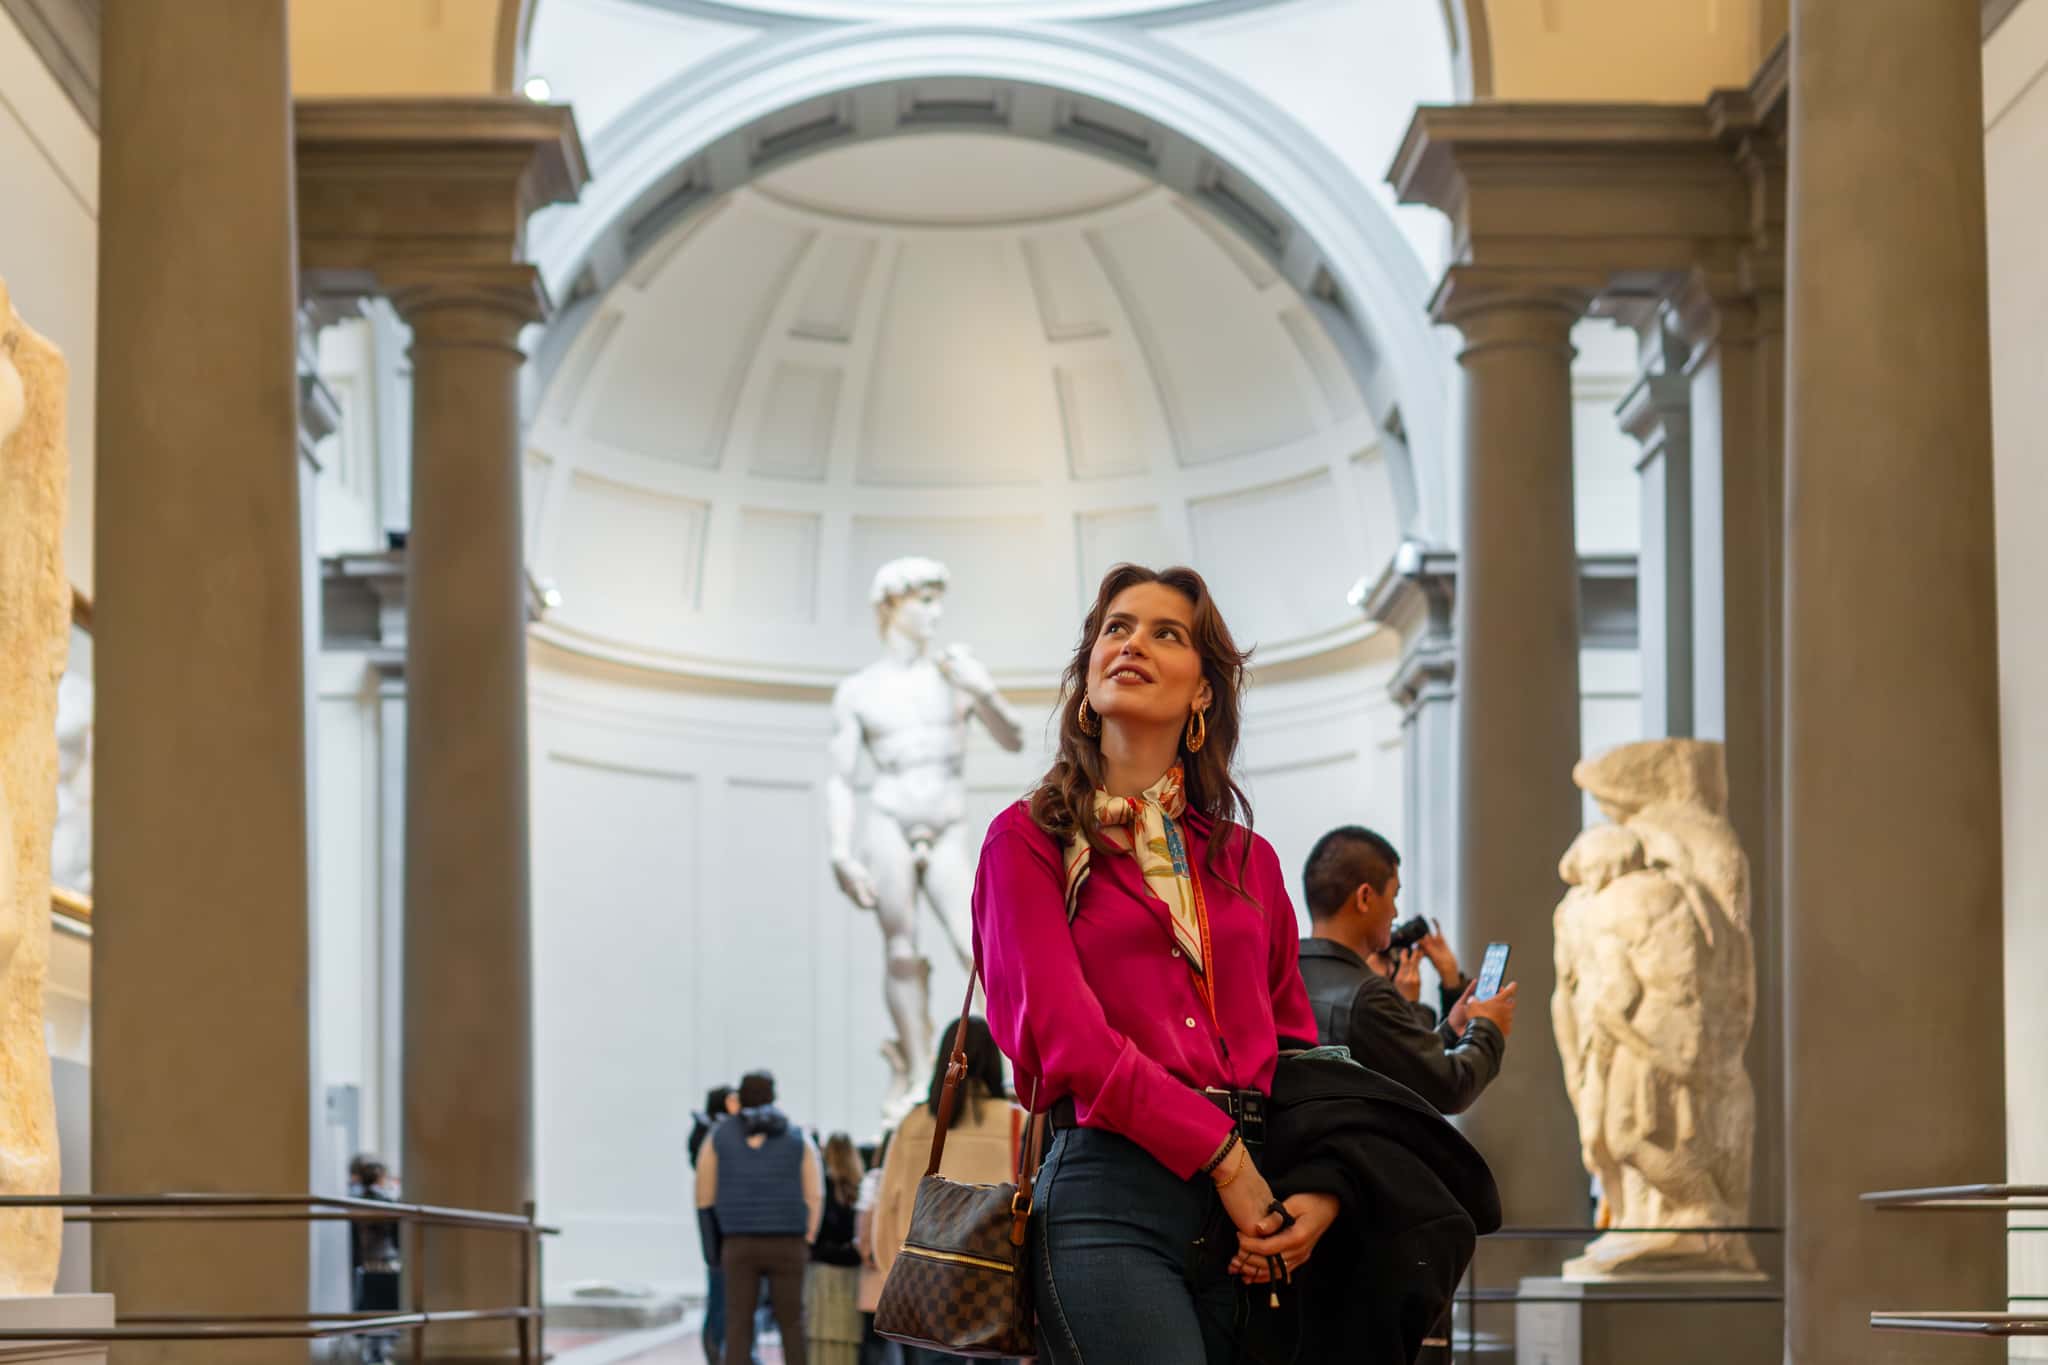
(1064, 802)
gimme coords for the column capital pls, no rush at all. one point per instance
(1513, 307)
(456, 303)
(1416, 596)
(1737, 306)
(1657, 411)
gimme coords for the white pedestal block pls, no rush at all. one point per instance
(56, 1314)
(1596, 1324)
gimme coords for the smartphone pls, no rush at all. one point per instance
(1491, 970)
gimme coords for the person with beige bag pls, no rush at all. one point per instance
(981, 1149)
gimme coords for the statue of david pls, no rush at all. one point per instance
(908, 713)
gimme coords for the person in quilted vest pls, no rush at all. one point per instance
(981, 1149)
(763, 1178)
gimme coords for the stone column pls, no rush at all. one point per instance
(1737, 379)
(1892, 798)
(1416, 596)
(1518, 705)
(202, 1047)
(426, 201)
(468, 1053)
(1657, 412)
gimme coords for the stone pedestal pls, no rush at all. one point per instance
(1598, 1324)
(55, 1314)
(617, 1310)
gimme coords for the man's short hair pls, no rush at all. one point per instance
(1342, 861)
(757, 1090)
(901, 577)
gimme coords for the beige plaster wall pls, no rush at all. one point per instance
(2016, 144)
(403, 47)
(1666, 51)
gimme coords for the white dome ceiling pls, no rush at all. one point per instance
(1012, 357)
(868, 11)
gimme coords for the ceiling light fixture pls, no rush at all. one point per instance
(537, 89)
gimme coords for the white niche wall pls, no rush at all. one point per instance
(687, 926)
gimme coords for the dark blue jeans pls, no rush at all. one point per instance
(1132, 1262)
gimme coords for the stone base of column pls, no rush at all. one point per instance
(55, 1314)
(1598, 1326)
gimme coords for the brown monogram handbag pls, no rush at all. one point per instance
(962, 1282)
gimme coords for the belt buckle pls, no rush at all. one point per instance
(1246, 1107)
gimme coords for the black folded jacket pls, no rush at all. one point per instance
(1416, 1197)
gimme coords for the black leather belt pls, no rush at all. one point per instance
(1246, 1107)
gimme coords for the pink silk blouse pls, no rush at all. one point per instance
(1105, 1011)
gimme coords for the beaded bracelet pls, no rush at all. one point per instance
(1222, 1153)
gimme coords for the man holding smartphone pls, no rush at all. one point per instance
(1350, 882)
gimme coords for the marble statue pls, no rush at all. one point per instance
(1656, 993)
(71, 846)
(908, 714)
(35, 631)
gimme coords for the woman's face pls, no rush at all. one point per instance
(1144, 667)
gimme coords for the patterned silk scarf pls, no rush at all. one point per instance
(1148, 828)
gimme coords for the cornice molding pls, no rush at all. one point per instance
(445, 134)
(1416, 596)
(1997, 12)
(765, 12)
(426, 185)
(66, 35)
(1631, 201)
(818, 681)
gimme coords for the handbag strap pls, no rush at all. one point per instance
(956, 1073)
(1032, 1151)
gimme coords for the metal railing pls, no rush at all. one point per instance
(2001, 1199)
(1467, 1346)
(415, 1222)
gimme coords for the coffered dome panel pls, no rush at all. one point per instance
(848, 361)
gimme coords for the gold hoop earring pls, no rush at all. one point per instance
(1089, 725)
(1198, 731)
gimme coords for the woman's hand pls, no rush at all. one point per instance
(1246, 1196)
(1440, 955)
(1408, 979)
(1313, 1214)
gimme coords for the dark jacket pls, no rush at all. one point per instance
(1415, 1194)
(835, 1232)
(701, 1125)
(1357, 1008)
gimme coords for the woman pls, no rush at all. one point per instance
(981, 1147)
(721, 1102)
(1138, 950)
(832, 1286)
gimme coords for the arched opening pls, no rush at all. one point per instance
(1140, 104)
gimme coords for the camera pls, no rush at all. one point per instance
(1407, 935)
